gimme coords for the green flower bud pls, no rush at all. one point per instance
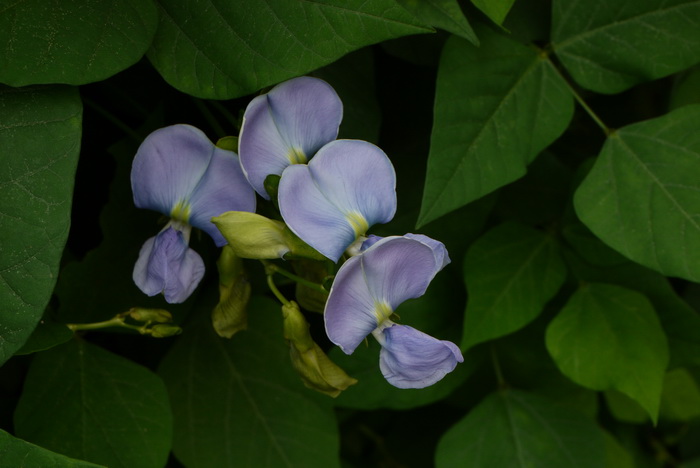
(229, 316)
(253, 236)
(161, 330)
(150, 315)
(316, 370)
(229, 143)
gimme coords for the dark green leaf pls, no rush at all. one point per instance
(443, 14)
(615, 455)
(610, 46)
(608, 337)
(642, 196)
(518, 429)
(511, 272)
(72, 41)
(17, 453)
(88, 403)
(223, 49)
(239, 403)
(47, 334)
(686, 89)
(680, 400)
(496, 10)
(40, 138)
(496, 107)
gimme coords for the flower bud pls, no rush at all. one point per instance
(229, 316)
(161, 330)
(150, 315)
(253, 236)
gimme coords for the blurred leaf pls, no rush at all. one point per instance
(496, 107)
(223, 49)
(47, 334)
(518, 429)
(352, 77)
(615, 455)
(680, 400)
(623, 408)
(496, 10)
(511, 272)
(609, 337)
(17, 453)
(686, 89)
(73, 41)
(642, 196)
(103, 407)
(444, 14)
(40, 131)
(609, 47)
(239, 402)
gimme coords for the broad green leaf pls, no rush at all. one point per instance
(496, 107)
(610, 46)
(623, 408)
(511, 272)
(642, 196)
(72, 41)
(686, 89)
(680, 400)
(47, 334)
(17, 453)
(615, 455)
(444, 14)
(88, 403)
(222, 49)
(518, 429)
(40, 139)
(239, 403)
(496, 10)
(608, 337)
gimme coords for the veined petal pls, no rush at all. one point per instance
(412, 359)
(441, 256)
(222, 188)
(311, 216)
(370, 286)
(348, 186)
(168, 166)
(287, 126)
(167, 265)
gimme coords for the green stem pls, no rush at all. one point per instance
(112, 118)
(275, 291)
(117, 321)
(607, 130)
(210, 118)
(309, 284)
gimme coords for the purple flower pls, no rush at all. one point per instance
(365, 293)
(287, 126)
(346, 188)
(177, 171)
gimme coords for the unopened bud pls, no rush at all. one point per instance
(229, 316)
(161, 330)
(253, 236)
(150, 315)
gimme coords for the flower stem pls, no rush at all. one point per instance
(117, 321)
(275, 291)
(271, 268)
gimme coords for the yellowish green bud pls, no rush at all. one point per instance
(162, 330)
(150, 315)
(229, 316)
(253, 236)
(316, 370)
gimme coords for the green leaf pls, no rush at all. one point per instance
(686, 89)
(88, 403)
(609, 47)
(680, 400)
(616, 455)
(496, 107)
(511, 272)
(609, 337)
(73, 41)
(40, 132)
(223, 49)
(47, 334)
(444, 14)
(518, 429)
(642, 196)
(239, 403)
(496, 10)
(20, 454)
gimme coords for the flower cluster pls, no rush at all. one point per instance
(329, 193)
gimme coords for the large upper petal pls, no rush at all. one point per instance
(412, 359)
(168, 166)
(370, 286)
(287, 125)
(222, 188)
(348, 186)
(167, 265)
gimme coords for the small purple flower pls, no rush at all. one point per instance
(287, 126)
(365, 293)
(177, 171)
(346, 188)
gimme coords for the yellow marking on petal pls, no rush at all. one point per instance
(382, 311)
(297, 156)
(357, 222)
(181, 212)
